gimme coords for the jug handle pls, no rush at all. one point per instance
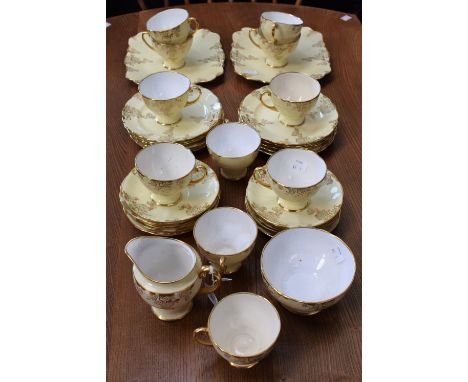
(205, 271)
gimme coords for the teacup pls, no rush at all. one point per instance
(276, 54)
(293, 95)
(173, 55)
(280, 28)
(242, 327)
(168, 274)
(234, 240)
(234, 146)
(294, 176)
(172, 26)
(166, 169)
(166, 94)
(307, 269)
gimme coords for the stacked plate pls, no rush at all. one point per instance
(316, 133)
(323, 210)
(146, 215)
(197, 120)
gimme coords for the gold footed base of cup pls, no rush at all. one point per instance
(233, 174)
(168, 123)
(172, 315)
(292, 206)
(248, 366)
(290, 123)
(165, 201)
(228, 269)
(276, 64)
(173, 65)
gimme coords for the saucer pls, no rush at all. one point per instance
(323, 210)
(197, 120)
(316, 132)
(145, 214)
(310, 57)
(204, 62)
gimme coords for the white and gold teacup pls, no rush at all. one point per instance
(173, 55)
(279, 27)
(166, 169)
(234, 146)
(166, 94)
(233, 242)
(276, 54)
(168, 274)
(294, 176)
(242, 327)
(172, 26)
(307, 269)
(293, 95)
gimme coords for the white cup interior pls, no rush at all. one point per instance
(235, 231)
(295, 87)
(308, 265)
(233, 140)
(281, 17)
(244, 324)
(164, 85)
(165, 161)
(166, 20)
(296, 168)
(161, 259)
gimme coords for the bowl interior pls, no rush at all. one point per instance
(296, 168)
(165, 161)
(235, 231)
(161, 259)
(308, 265)
(233, 140)
(166, 20)
(164, 86)
(295, 87)
(281, 17)
(244, 324)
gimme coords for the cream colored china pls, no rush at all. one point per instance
(172, 26)
(173, 55)
(306, 269)
(293, 95)
(243, 328)
(168, 274)
(166, 94)
(322, 210)
(310, 57)
(145, 214)
(204, 61)
(225, 236)
(276, 56)
(197, 119)
(316, 132)
(234, 146)
(280, 27)
(166, 169)
(294, 175)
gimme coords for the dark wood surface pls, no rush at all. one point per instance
(325, 347)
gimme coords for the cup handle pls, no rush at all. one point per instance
(251, 39)
(222, 265)
(193, 20)
(146, 42)
(268, 93)
(203, 170)
(192, 89)
(198, 339)
(205, 271)
(260, 176)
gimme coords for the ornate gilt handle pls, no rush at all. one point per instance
(222, 265)
(251, 39)
(205, 271)
(260, 176)
(192, 89)
(268, 93)
(203, 170)
(146, 42)
(193, 20)
(206, 342)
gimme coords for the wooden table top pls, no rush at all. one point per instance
(323, 347)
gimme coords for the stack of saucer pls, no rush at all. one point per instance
(316, 133)
(323, 210)
(145, 214)
(197, 120)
